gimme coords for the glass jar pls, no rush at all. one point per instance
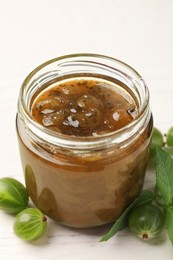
(84, 181)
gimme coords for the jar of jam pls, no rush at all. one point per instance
(84, 128)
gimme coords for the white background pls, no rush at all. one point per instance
(31, 32)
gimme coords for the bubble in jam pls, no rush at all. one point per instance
(84, 107)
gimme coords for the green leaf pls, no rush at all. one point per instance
(164, 175)
(157, 140)
(169, 222)
(169, 149)
(169, 137)
(146, 196)
(158, 197)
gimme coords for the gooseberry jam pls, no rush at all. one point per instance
(84, 128)
(84, 107)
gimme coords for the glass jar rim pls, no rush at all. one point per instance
(119, 136)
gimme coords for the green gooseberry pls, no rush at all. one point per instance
(156, 140)
(146, 221)
(30, 224)
(169, 137)
(13, 196)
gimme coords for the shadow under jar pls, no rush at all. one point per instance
(84, 128)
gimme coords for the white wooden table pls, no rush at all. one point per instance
(31, 32)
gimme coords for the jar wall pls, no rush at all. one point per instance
(84, 192)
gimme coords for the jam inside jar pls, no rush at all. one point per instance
(84, 128)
